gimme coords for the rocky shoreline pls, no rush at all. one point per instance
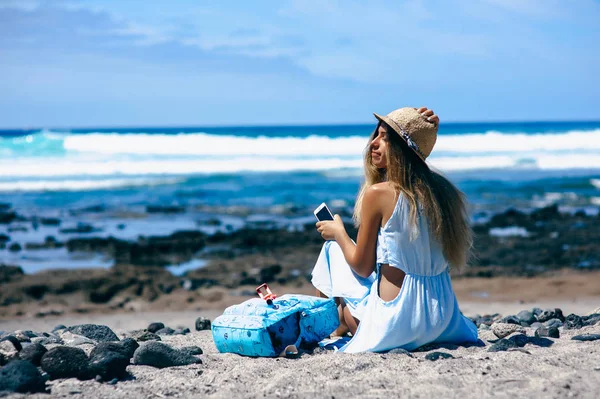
(553, 354)
(511, 243)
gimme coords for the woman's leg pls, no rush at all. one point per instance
(343, 328)
(350, 321)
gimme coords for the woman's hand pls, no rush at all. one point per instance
(331, 229)
(429, 114)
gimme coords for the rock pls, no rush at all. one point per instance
(573, 321)
(595, 311)
(400, 351)
(544, 331)
(96, 332)
(548, 314)
(130, 345)
(160, 355)
(181, 331)
(526, 317)
(109, 360)
(502, 345)
(52, 339)
(33, 353)
(487, 335)
(10, 273)
(14, 247)
(143, 335)
(433, 356)
(154, 327)
(164, 209)
(536, 325)
(592, 319)
(66, 362)
(586, 337)
(21, 376)
(74, 339)
(9, 349)
(192, 350)
(24, 336)
(510, 320)
(483, 327)
(536, 311)
(59, 327)
(553, 323)
(165, 331)
(519, 339)
(81, 228)
(502, 330)
(202, 324)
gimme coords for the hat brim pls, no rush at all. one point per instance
(394, 126)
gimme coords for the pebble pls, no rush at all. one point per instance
(520, 339)
(510, 320)
(487, 335)
(33, 353)
(553, 323)
(154, 327)
(9, 349)
(66, 362)
(74, 339)
(544, 331)
(143, 335)
(548, 314)
(160, 355)
(586, 337)
(400, 351)
(96, 332)
(21, 376)
(165, 331)
(59, 327)
(502, 345)
(202, 323)
(502, 330)
(526, 317)
(52, 339)
(433, 356)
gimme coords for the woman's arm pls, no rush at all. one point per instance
(362, 256)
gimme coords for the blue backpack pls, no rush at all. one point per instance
(265, 328)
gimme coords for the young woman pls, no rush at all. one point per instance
(393, 284)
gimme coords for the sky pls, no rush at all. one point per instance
(98, 63)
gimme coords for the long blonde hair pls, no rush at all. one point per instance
(444, 205)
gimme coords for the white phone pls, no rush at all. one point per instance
(323, 213)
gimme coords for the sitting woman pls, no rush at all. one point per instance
(393, 285)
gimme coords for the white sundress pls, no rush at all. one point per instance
(425, 310)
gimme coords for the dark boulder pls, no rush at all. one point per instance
(192, 350)
(154, 327)
(109, 360)
(96, 332)
(502, 345)
(66, 362)
(160, 355)
(573, 321)
(586, 337)
(548, 314)
(33, 353)
(22, 377)
(165, 331)
(526, 316)
(544, 331)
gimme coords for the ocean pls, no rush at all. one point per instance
(264, 170)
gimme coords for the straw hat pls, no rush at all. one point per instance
(414, 128)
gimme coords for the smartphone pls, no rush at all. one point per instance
(322, 213)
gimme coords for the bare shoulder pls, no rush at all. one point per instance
(380, 194)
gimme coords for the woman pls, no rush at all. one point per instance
(393, 283)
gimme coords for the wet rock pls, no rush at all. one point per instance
(553, 323)
(192, 350)
(33, 353)
(526, 316)
(81, 228)
(164, 209)
(548, 314)
(143, 335)
(50, 221)
(165, 331)
(502, 330)
(573, 321)
(544, 331)
(22, 377)
(502, 345)
(202, 323)
(7, 217)
(154, 327)
(109, 360)
(14, 247)
(97, 332)
(586, 337)
(160, 355)
(66, 362)
(433, 356)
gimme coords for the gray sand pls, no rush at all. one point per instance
(565, 369)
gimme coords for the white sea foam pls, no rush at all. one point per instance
(207, 144)
(82, 185)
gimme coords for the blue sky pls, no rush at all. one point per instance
(184, 62)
